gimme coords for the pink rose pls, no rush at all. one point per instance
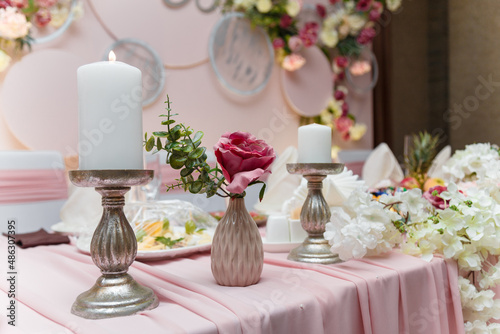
(321, 10)
(293, 62)
(46, 3)
(309, 33)
(243, 159)
(363, 5)
(338, 77)
(345, 109)
(436, 201)
(295, 43)
(378, 6)
(341, 61)
(278, 43)
(285, 21)
(339, 95)
(19, 3)
(42, 17)
(360, 67)
(366, 36)
(374, 15)
(343, 124)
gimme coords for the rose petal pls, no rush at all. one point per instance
(241, 180)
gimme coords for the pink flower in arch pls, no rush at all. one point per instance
(364, 5)
(309, 33)
(46, 3)
(343, 124)
(321, 10)
(366, 36)
(278, 43)
(295, 43)
(285, 21)
(293, 62)
(42, 17)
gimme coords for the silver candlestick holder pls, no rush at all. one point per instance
(113, 248)
(315, 213)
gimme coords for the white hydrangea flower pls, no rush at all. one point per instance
(476, 327)
(490, 278)
(472, 163)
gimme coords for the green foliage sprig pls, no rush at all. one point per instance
(185, 153)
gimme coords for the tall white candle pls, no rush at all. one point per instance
(110, 116)
(315, 144)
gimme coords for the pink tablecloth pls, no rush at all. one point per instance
(389, 294)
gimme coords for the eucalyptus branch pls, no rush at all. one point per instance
(185, 153)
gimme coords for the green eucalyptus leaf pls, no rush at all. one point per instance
(195, 187)
(197, 136)
(161, 134)
(158, 144)
(176, 135)
(168, 122)
(197, 153)
(177, 161)
(187, 148)
(186, 171)
(190, 163)
(150, 144)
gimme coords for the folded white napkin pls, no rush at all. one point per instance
(336, 189)
(380, 166)
(82, 212)
(436, 169)
(280, 184)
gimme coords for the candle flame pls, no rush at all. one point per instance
(111, 56)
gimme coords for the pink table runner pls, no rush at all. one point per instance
(389, 294)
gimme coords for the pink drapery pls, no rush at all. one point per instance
(32, 185)
(393, 293)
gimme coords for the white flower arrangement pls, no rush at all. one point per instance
(462, 223)
(476, 161)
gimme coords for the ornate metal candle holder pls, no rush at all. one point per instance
(113, 248)
(315, 213)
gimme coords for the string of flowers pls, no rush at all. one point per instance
(460, 221)
(19, 17)
(342, 29)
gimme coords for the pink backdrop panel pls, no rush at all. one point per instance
(179, 35)
(308, 89)
(39, 100)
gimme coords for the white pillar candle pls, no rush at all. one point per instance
(315, 144)
(110, 116)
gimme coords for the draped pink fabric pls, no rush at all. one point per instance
(389, 294)
(32, 185)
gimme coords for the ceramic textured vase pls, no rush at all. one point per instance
(237, 252)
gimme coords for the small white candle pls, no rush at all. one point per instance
(315, 144)
(110, 116)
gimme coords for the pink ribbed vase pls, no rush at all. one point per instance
(237, 252)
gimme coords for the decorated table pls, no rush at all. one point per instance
(393, 293)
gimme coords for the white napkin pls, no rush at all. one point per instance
(336, 189)
(82, 211)
(381, 165)
(280, 184)
(436, 169)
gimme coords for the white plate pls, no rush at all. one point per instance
(83, 245)
(279, 247)
(68, 229)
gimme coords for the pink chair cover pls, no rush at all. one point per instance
(32, 185)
